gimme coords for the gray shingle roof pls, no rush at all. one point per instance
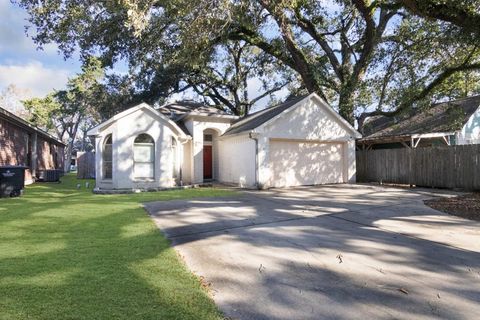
(178, 109)
(256, 119)
(12, 118)
(448, 116)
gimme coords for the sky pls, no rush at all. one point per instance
(22, 63)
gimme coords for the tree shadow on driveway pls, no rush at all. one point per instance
(339, 252)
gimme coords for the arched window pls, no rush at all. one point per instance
(174, 158)
(107, 158)
(144, 157)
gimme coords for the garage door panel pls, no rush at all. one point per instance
(295, 163)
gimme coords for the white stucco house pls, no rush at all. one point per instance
(300, 142)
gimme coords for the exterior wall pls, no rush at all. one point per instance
(17, 148)
(124, 131)
(216, 157)
(49, 155)
(470, 133)
(307, 122)
(350, 163)
(237, 161)
(197, 126)
(13, 144)
(187, 163)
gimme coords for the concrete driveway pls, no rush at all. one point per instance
(330, 252)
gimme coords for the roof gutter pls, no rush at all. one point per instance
(16, 120)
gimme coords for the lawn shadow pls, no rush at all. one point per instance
(68, 254)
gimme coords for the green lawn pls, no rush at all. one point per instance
(69, 254)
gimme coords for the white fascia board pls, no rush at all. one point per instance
(96, 130)
(432, 135)
(243, 133)
(325, 105)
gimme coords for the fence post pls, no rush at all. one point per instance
(410, 166)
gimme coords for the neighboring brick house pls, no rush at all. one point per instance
(23, 144)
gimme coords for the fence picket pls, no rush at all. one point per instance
(440, 167)
(85, 165)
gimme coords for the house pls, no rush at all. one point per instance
(300, 142)
(22, 144)
(454, 122)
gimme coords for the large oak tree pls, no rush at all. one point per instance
(364, 57)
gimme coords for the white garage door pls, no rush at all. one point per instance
(296, 163)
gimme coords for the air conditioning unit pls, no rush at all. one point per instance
(49, 175)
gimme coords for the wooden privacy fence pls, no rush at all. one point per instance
(437, 167)
(85, 165)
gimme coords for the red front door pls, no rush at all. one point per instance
(207, 162)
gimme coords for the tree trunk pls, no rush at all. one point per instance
(68, 156)
(346, 104)
(71, 141)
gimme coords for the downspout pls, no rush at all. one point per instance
(183, 141)
(254, 137)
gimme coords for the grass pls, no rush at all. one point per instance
(68, 254)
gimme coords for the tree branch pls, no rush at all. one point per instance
(268, 92)
(439, 79)
(243, 33)
(449, 11)
(307, 26)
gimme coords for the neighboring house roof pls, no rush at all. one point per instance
(442, 117)
(258, 118)
(12, 118)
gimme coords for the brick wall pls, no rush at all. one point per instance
(13, 145)
(44, 157)
(61, 157)
(15, 149)
(50, 156)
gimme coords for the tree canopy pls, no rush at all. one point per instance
(364, 57)
(65, 111)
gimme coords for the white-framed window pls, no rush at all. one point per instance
(207, 137)
(144, 157)
(107, 158)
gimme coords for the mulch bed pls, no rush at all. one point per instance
(467, 206)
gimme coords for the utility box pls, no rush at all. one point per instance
(52, 175)
(12, 181)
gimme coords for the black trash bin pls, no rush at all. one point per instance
(12, 181)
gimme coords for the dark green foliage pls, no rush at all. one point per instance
(359, 55)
